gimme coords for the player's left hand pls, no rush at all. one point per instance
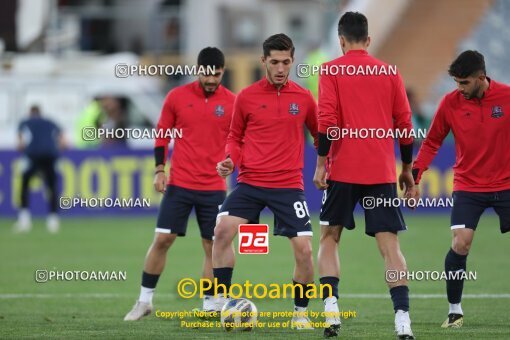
(225, 167)
(406, 182)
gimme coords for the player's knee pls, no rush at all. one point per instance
(222, 232)
(304, 252)
(164, 241)
(461, 245)
(330, 234)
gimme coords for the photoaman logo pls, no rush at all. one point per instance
(253, 239)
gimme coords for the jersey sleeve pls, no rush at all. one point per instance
(311, 119)
(439, 129)
(236, 133)
(166, 121)
(328, 115)
(402, 113)
(21, 126)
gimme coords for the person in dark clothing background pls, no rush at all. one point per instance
(40, 140)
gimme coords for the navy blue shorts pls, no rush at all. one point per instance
(288, 206)
(340, 199)
(176, 207)
(469, 206)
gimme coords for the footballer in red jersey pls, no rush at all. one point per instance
(477, 114)
(362, 169)
(202, 111)
(266, 143)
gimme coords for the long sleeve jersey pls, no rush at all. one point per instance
(266, 139)
(358, 92)
(481, 129)
(204, 122)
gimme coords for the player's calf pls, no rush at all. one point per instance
(302, 247)
(454, 263)
(226, 229)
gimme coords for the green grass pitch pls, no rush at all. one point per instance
(93, 309)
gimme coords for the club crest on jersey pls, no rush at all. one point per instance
(293, 109)
(219, 111)
(497, 112)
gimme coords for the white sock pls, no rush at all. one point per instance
(402, 313)
(24, 215)
(52, 222)
(208, 303)
(455, 308)
(331, 310)
(146, 295)
(330, 300)
(402, 316)
(52, 216)
(301, 311)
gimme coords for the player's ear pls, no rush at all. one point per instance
(262, 59)
(368, 42)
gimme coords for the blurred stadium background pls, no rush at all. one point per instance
(61, 55)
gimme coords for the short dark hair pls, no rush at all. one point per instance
(35, 110)
(278, 42)
(211, 56)
(467, 64)
(353, 26)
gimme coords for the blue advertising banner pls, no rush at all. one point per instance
(129, 174)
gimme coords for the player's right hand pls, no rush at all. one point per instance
(319, 178)
(225, 167)
(160, 182)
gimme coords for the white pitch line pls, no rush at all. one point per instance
(63, 295)
(424, 296)
(342, 296)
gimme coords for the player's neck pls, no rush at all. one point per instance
(354, 47)
(484, 87)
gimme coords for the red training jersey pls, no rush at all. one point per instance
(204, 122)
(367, 94)
(481, 128)
(266, 139)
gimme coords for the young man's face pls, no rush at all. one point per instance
(278, 64)
(210, 82)
(470, 87)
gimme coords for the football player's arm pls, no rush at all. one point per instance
(166, 121)
(403, 123)
(61, 140)
(328, 117)
(21, 142)
(311, 120)
(439, 129)
(236, 133)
